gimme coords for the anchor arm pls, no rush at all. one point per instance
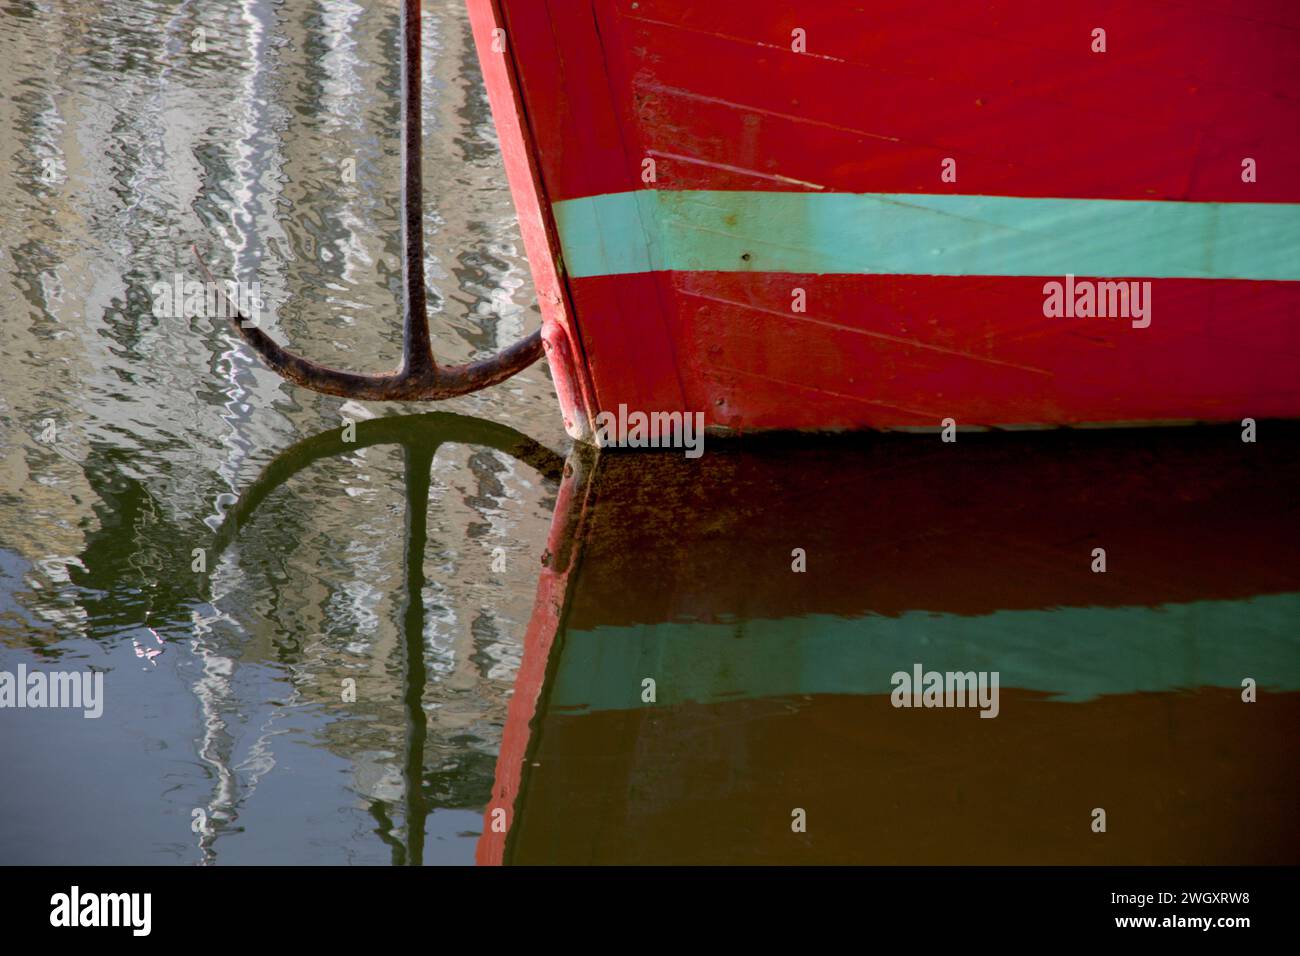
(419, 377)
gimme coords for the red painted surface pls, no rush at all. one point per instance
(519, 152)
(1009, 89)
(890, 351)
(1012, 91)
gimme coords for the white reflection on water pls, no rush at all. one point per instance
(162, 423)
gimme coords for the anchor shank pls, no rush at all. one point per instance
(418, 361)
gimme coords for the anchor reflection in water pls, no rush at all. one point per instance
(419, 437)
(685, 693)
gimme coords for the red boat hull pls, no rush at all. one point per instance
(1188, 115)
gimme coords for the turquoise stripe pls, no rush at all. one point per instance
(918, 234)
(1074, 654)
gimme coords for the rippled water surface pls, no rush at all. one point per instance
(458, 639)
(121, 147)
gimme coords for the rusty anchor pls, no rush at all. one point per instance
(419, 377)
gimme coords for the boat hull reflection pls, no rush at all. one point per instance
(771, 699)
